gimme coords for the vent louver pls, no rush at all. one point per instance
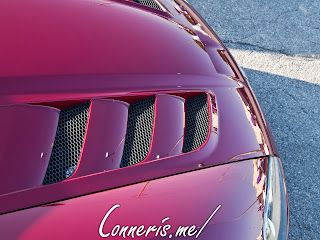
(68, 143)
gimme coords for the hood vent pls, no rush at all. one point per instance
(68, 143)
(149, 3)
(117, 134)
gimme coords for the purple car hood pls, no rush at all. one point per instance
(62, 53)
(95, 37)
(101, 61)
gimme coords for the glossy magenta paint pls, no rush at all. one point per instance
(20, 156)
(169, 127)
(80, 37)
(187, 199)
(54, 53)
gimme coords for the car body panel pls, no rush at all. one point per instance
(59, 53)
(20, 123)
(80, 37)
(236, 122)
(237, 187)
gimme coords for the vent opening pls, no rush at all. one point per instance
(197, 122)
(68, 143)
(72, 126)
(139, 132)
(149, 3)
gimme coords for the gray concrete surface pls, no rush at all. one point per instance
(278, 45)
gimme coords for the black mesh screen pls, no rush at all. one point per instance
(197, 122)
(139, 132)
(149, 3)
(68, 143)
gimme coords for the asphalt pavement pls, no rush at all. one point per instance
(277, 43)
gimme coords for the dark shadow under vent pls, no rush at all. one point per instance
(68, 143)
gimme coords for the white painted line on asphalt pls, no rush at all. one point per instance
(295, 67)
